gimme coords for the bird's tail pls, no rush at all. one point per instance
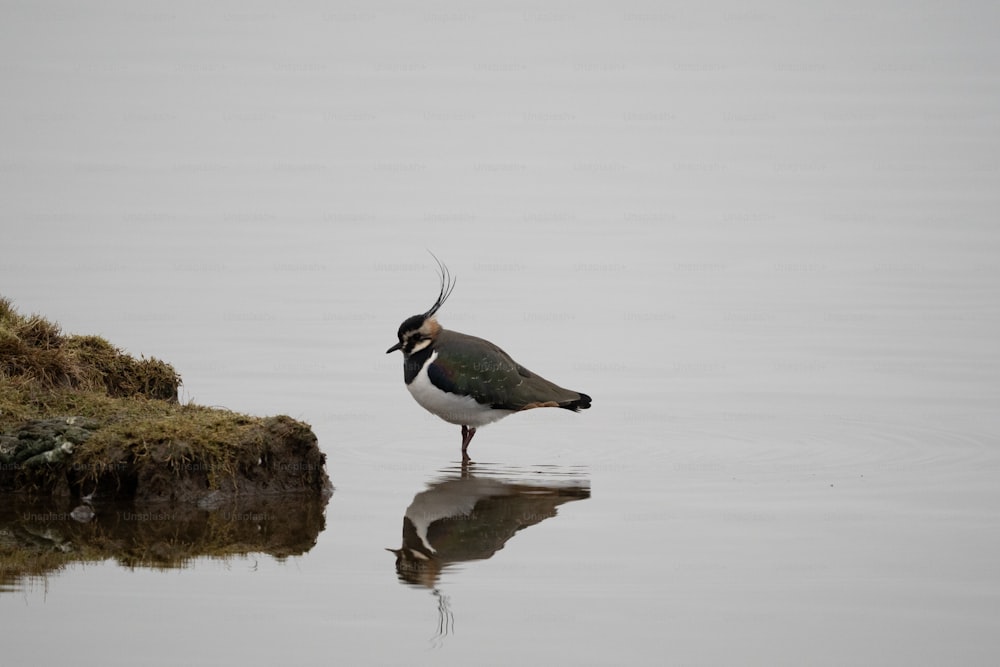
(581, 403)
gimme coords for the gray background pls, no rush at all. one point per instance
(763, 238)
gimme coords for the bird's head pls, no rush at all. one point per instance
(419, 331)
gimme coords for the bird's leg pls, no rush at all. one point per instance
(467, 433)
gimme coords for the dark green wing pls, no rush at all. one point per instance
(478, 368)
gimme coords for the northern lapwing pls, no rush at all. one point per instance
(469, 381)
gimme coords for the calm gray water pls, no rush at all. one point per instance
(763, 239)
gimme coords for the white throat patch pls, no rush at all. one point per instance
(421, 345)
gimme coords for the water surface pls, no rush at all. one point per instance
(765, 243)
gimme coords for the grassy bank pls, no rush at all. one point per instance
(80, 417)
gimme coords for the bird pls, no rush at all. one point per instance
(466, 380)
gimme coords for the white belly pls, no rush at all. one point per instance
(454, 409)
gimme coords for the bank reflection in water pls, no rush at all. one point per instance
(470, 513)
(41, 537)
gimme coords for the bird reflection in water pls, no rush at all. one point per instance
(470, 513)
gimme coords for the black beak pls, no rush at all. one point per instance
(395, 347)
